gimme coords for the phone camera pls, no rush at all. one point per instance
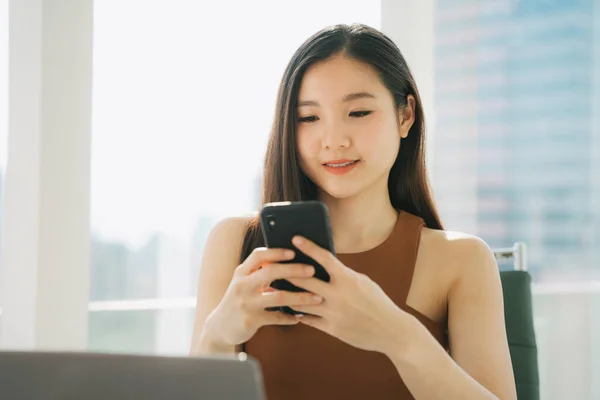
(271, 223)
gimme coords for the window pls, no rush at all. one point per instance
(183, 100)
(535, 169)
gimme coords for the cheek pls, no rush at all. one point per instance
(379, 141)
(308, 147)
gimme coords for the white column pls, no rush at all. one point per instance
(46, 241)
(410, 24)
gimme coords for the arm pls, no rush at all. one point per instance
(480, 367)
(220, 258)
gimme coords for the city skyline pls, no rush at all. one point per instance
(515, 130)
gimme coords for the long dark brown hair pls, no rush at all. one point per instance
(283, 180)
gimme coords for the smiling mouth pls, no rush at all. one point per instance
(341, 164)
(340, 167)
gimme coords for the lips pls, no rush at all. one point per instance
(340, 167)
(339, 163)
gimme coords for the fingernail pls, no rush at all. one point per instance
(298, 240)
(309, 271)
(289, 253)
(317, 299)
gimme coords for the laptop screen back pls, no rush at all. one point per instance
(71, 376)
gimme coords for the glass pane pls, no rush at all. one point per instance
(517, 147)
(164, 332)
(183, 105)
(517, 133)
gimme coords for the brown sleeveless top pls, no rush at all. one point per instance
(301, 362)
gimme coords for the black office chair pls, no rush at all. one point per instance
(518, 313)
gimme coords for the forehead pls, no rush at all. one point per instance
(338, 76)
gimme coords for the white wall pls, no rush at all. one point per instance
(3, 108)
(45, 256)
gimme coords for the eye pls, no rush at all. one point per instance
(360, 114)
(309, 119)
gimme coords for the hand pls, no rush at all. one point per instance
(354, 309)
(242, 310)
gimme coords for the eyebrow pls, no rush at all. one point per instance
(348, 97)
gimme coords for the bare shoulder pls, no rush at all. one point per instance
(445, 259)
(229, 232)
(460, 253)
(474, 301)
(222, 249)
(233, 224)
(454, 244)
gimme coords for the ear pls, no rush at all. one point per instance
(406, 116)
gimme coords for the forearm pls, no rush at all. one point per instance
(429, 372)
(207, 342)
(205, 346)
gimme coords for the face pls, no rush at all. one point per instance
(348, 133)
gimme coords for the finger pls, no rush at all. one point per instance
(267, 288)
(315, 321)
(317, 253)
(279, 318)
(261, 256)
(280, 298)
(313, 285)
(279, 271)
(315, 310)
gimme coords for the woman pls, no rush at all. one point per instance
(411, 311)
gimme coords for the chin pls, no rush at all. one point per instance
(340, 192)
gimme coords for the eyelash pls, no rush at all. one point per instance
(355, 114)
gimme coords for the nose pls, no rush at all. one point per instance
(334, 137)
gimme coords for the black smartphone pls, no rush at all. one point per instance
(281, 221)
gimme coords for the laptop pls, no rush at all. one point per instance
(92, 376)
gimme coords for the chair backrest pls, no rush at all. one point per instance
(518, 313)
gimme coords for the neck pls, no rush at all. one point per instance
(362, 222)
